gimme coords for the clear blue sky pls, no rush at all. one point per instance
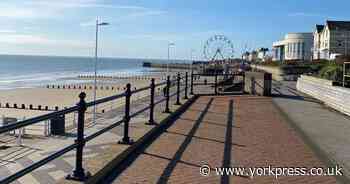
(142, 28)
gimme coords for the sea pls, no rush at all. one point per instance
(18, 71)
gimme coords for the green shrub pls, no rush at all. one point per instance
(332, 71)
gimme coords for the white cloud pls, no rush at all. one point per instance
(15, 12)
(303, 14)
(166, 37)
(7, 31)
(26, 12)
(81, 4)
(28, 39)
(88, 23)
(127, 16)
(51, 9)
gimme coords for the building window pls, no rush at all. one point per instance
(303, 50)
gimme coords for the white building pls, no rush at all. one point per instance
(262, 54)
(295, 46)
(253, 56)
(332, 39)
(245, 56)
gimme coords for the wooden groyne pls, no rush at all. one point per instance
(28, 107)
(108, 77)
(170, 65)
(84, 87)
(87, 87)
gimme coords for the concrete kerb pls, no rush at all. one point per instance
(326, 158)
(145, 140)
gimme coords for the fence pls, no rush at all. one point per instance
(81, 109)
(217, 84)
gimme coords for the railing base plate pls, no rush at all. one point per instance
(151, 123)
(126, 142)
(75, 177)
(167, 111)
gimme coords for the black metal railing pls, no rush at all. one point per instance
(215, 80)
(79, 172)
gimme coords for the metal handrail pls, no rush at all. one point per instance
(81, 107)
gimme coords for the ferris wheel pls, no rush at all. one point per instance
(218, 47)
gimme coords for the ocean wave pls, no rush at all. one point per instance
(42, 79)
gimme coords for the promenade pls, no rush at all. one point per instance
(227, 131)
(287, 130)
(323, 128)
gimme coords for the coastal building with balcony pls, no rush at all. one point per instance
(331, 40)
(295, 46)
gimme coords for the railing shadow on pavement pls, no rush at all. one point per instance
(188, 137)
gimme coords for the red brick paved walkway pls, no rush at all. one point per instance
(224, 131)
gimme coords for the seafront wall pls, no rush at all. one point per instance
(258, 83)
(284, 73)
(277, 73)
(323, 90)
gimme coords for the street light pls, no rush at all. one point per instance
(167, 66)
(192, 51)
(98, 24)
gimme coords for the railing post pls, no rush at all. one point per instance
(186, 85)
(178, 90)
(79, 174)
(216, 83)
(167, 90)
(151, 106)
(191, 93)
(243, 85)
(126, 139)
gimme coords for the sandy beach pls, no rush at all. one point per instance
(62, 98)
(25, 103)
(55, 97)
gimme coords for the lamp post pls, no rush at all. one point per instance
(98, 24)
(167, 66)
(192, 51)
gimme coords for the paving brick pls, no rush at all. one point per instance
(255, 136)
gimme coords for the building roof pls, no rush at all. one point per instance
(339, 25)
(319, 28)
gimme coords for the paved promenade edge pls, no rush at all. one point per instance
(318, 151)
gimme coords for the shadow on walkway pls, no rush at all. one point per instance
(173, 161)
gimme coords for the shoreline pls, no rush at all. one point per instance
(51, 98)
